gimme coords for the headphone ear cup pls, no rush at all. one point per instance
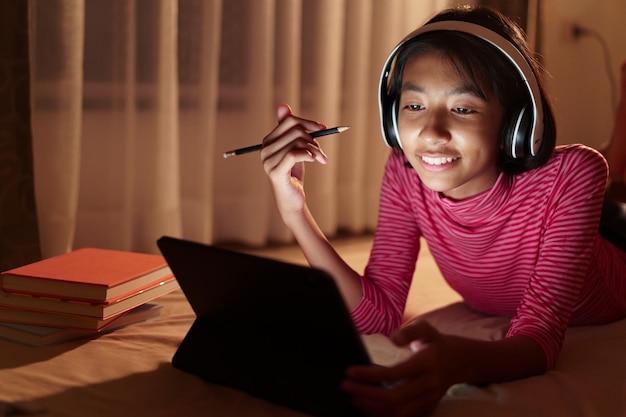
(390, 122)
(517, 134)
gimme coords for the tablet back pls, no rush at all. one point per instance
(275, 330)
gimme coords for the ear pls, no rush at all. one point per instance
(283, 111)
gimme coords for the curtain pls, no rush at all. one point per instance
(135, 101)
(19, 237)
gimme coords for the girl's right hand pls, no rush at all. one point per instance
(285, 149)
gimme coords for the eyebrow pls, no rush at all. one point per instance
(456, 91)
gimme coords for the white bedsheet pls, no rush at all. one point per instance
(589, 378)
(128, 373)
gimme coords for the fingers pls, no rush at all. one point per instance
(290, 128)
(290, 141)
(389, 376)
(287, 120)
(410, 388)
(290, 148)
(406, 398)
(415, 334)
(422, 338)
(283, 111)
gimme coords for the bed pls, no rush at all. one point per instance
(128, 372)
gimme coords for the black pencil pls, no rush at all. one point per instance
(258, 147)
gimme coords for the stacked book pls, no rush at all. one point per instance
(80, 293)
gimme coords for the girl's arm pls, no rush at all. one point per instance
(321, 254)
(570, 232)
(391, 265)
(470, 361)
(284, 152)
(439, 362)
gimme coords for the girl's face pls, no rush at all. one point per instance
(449, 134)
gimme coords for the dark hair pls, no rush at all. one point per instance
(482, 66)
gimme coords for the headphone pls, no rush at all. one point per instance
(522, 137)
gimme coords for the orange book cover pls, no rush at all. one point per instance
(88, 274)
(63, 320)
(25, 302)
(98, 310)
(38, 335)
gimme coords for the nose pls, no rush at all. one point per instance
(435, 128)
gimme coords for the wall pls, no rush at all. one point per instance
(578, 81)
(19, 235)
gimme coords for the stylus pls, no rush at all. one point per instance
(258, 147)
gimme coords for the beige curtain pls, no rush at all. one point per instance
(134, 102)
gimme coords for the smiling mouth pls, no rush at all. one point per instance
(439, 160)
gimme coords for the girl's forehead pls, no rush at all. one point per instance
(443, 61)
(453, 66)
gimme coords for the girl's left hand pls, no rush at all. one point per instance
(410, 388)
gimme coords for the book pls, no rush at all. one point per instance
(45, 318)
(32, 335)
(88, 274)
(22, 307)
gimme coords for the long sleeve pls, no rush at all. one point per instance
(390, 269)
(569, 235)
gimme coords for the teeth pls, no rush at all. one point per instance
(438, 161)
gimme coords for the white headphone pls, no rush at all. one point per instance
(525, 133)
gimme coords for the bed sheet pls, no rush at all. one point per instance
(128, 373)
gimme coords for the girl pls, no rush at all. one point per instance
(511, 221)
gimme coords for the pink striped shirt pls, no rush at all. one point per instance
(528, 248)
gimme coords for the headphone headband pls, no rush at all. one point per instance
(506, 47)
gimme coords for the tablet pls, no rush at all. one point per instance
(275, 330)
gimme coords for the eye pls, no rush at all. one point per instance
(463, 110)
(414, 107)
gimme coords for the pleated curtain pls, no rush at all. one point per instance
(135, 101)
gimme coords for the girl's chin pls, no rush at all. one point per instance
(437, 186)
